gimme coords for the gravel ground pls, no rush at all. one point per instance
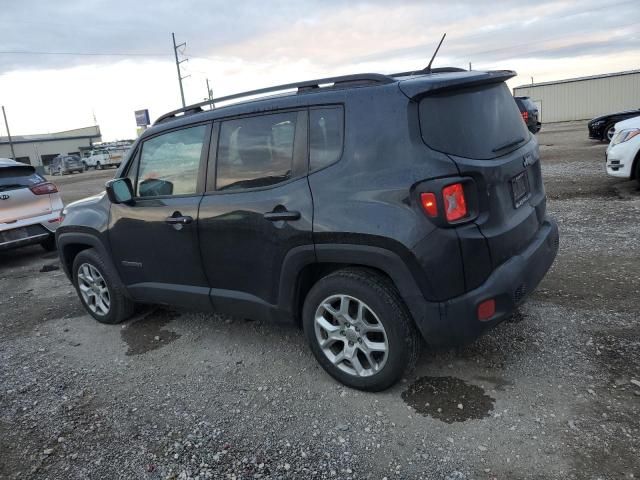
(553, 394)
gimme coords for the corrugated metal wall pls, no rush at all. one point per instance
(584, 99)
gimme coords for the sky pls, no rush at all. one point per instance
(65, 63)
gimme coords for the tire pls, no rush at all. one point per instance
(636, 168)
(120, 306)
(383, 307)
(84, 166)
(98, 166)
(605, 132)
(49, 244)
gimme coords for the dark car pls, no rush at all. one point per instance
(374, 210)
(603, 128)
(64, 164)
(529, 112)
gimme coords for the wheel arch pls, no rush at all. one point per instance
(72, 243)
(302, 269)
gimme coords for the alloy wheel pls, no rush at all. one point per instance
(610, 133)
(93, 289)
(351, 335)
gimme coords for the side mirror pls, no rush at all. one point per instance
(120, 190)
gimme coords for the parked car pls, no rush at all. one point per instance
(529, 112)
(603, 128)
(102, 158)
(64, 164)
(373, 209)
(623, 153)
(30, 207)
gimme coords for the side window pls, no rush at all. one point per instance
(255, 151)
(326, 133)
(169, 163)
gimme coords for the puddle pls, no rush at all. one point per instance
(147, 333)
(442, 397)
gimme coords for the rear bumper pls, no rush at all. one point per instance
(28, 231)
(455, 321)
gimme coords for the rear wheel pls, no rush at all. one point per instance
(98, 166)
(99, 288)
(359, 329)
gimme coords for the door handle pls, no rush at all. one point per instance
(179, 220)
(284, 215)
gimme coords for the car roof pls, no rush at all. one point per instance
(7, 162)
(411, 83)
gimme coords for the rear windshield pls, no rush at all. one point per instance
(12, 178)
(481, 122)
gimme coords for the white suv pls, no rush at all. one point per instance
(30, 207)
(623, 153)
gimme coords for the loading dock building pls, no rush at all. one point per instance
(584, 98)
(39, 149)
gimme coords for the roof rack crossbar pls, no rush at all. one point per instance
(301, 86)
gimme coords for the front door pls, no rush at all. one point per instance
(155, 240)
(257, 211)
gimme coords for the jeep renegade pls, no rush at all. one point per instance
(375, 210)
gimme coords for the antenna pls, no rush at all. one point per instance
(428, 67)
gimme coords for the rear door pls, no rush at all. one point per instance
(17, 201)
(257, 209)
(481, 129)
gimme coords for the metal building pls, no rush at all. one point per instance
(585, 97)
(40, 149)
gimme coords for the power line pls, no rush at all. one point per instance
(92, 54)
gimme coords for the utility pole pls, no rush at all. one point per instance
(469, 66)
(178, 62)
(4, 114)
(210, 94)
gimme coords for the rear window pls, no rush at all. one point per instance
(326, 131)
(12, 178)
(481, 122)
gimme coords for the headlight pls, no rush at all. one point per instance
(625, 135)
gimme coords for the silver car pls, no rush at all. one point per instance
(30, 207)
(64, 164)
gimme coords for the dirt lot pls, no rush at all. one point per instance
(173, 394)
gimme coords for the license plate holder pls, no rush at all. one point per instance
(520, 189)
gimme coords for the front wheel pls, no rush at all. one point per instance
(98, 166)
(609, 132)
(99, 289)
(359, 329)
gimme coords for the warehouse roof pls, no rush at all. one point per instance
(579, 79)
(75, 134)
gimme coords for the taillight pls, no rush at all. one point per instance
(428, 201)
(455, 205)
(525, 115)
(44, 188)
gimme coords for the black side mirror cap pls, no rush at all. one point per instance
(120, 190)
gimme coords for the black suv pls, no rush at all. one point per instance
(529, 112)
(372, 209)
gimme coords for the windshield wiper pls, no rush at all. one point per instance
(510, 144)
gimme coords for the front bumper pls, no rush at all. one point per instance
(595, 131)
(455, 321)
(619, 158)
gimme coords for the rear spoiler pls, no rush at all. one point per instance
(417, 87)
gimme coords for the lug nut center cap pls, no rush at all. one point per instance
(352, 335)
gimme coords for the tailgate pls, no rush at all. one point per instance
(481, 129)
(17, 201)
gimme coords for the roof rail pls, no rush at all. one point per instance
(357, 79)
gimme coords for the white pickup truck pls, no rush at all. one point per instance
(101, 158)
